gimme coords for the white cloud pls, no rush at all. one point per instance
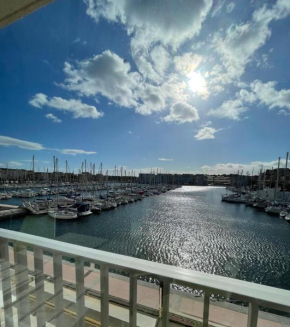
(148, 23)
(206, 133)
(153, 33)
(41, 161)
(232, 168)
(53, 118)
(129, 132)
(231, 109)
(174, 89)
(161, 59)
(14, 164)
(283, 112)
(76, 107)
(145, 66)
(110, 76)
(217, 7)
(9, 141)
(77, 40)
(164, 159)
(246, 96)
(187, 63)
(151, 65)
(230, 7)
(151, 99)
(263, 62)
(268, 95)
(75, 152)
(206, 124)
(106, 74)
(262, 93)
(39, 100)
(241, 41)
(182, 112)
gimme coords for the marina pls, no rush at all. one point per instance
(188, 227)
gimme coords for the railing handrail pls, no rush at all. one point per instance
(230, 287)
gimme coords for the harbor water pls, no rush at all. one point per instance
(188, 227)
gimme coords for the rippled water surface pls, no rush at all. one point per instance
(188, 227)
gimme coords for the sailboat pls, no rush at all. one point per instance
(59, 213)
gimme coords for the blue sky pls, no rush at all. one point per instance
(186, 86)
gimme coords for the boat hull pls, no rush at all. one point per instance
(62, 215)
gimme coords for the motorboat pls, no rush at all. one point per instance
(233, 198)
(287, 218)
(283, 214)
(250, 202)
(274, 209)
(260, 204)
(83, 209)
(96, 209)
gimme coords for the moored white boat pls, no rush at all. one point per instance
(83, 209)
(233, 198)
(287, 218)
(96, 209)
(275, 210)
(62, 214)
(283, 214)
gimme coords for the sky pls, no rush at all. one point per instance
(183, 86)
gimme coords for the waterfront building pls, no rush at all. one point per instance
(178, 179)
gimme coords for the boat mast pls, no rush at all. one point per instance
(252, 178)
(259, 183)
(56, 176)
(285, 172)
(277, 180)
(33, 169)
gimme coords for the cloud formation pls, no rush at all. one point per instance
(74, 152)
(105, 74)
(259, 93)
(241, 41)
(230, 7)
(163, 79)
(76, 107)
(164, 159)
(147, 23)
(110, 76)
(233, 168)
(206, 133)
(9, 141)
(14, 164)
(267, 94)
(53, 118)
(181, 112)
(231, 109)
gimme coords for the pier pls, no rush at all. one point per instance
(10, 211)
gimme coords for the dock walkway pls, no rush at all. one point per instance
(8, 211)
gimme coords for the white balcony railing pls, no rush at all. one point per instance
(256, 295)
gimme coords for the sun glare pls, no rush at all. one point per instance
(197, 83)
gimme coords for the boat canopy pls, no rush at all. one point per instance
(82, 206)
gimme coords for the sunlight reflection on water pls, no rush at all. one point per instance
(189, 227)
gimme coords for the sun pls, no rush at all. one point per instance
(197, 83)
